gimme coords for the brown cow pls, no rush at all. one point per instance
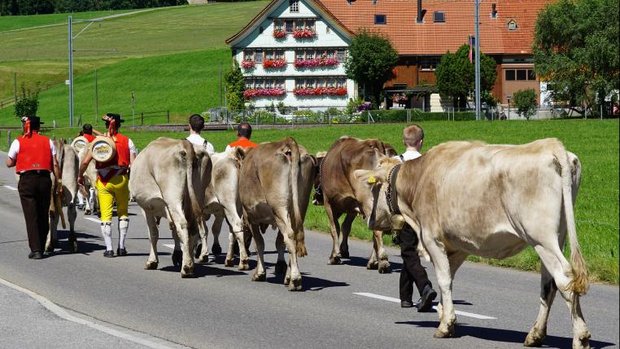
(168, 179)
(275, 181)
(338, 187)
(467, 198)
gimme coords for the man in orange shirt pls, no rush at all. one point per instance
(244, 132)
(34, 158)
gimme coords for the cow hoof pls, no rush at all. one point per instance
(280, 267)
(87, 212)
(216, 249)
(334, 261)
(259, 277)
(449, 333)
(295, 285)
(151, 265)
(372, 265)
(244, 265)
(582, 342)
(177, 258)
(534, 338)
(229, 263)
(73, 246)
(344, 254)
(384, 268)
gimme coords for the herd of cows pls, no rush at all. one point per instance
(462, 198)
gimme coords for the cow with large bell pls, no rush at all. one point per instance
(466, 198)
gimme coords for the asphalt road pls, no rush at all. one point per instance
(343, 306)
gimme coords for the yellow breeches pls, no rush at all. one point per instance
(116, 188)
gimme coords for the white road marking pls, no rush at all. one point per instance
(9, 187)
(62, 313)
(93, 220)
(170, 246)
(396, 300)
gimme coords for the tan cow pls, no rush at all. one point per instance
(68, 162)
(222, 201)
(168, 179)
(89, 190)
(275, 181)
(492, 201)
(338, 188)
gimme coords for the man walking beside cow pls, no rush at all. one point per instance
(412, 270)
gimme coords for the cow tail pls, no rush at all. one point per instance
(191, 163)
(579, 283)
(296, 219)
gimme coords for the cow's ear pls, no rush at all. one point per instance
(367, 177)
(239, 153)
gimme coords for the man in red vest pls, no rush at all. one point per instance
(244, 132)
(34, 158)
(112, 184)
(89, 133)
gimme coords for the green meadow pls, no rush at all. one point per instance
(172, 60)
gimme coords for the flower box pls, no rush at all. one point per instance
(316, 62)
(304, 33)
(320, 91)
(247, 64)
(279, 34)
(274, 63)
(263, 92)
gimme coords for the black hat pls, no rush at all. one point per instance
(114, 116)
(35, 121)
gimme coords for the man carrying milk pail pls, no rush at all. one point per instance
(112, 183)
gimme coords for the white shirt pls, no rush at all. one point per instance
(196, 139)
(408, 155)
(14, 149)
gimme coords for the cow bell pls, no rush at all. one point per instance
(398, 222)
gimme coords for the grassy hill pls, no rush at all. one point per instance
(170, 58)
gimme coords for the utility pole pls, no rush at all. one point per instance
(477, 56)
(70, 38)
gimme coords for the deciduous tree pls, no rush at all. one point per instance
(371, 60)
(576, 50)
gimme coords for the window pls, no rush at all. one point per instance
(258, 57)
(380, 19)
(512, 25)
(439, 17)
(291, 24)
(293, 5)
(341, 55)
(520, 75)
(429, 63)
(493, 10)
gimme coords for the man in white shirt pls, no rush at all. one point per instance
(412, 270)
(196, 124)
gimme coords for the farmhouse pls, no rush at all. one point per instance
(293, 51)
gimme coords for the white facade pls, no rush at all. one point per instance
(323, 55)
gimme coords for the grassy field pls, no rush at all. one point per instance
(594, 141)
(38, 54)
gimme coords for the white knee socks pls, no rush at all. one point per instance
(123, 225)
(106, 231)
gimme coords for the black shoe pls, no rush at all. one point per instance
(426, 302)
(108, 254)
(406, 304)
(121, 252)
(35, 255)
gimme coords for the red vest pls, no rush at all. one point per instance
(243, 142)
(121, 159)
(88, 137)
(35, 153)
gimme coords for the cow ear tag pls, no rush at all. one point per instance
(372, 180)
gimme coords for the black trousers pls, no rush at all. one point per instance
(35, 192)
(412, 270)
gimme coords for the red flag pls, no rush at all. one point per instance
(471, 50)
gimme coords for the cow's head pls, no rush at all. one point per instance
(371, 194)
(317, 197)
